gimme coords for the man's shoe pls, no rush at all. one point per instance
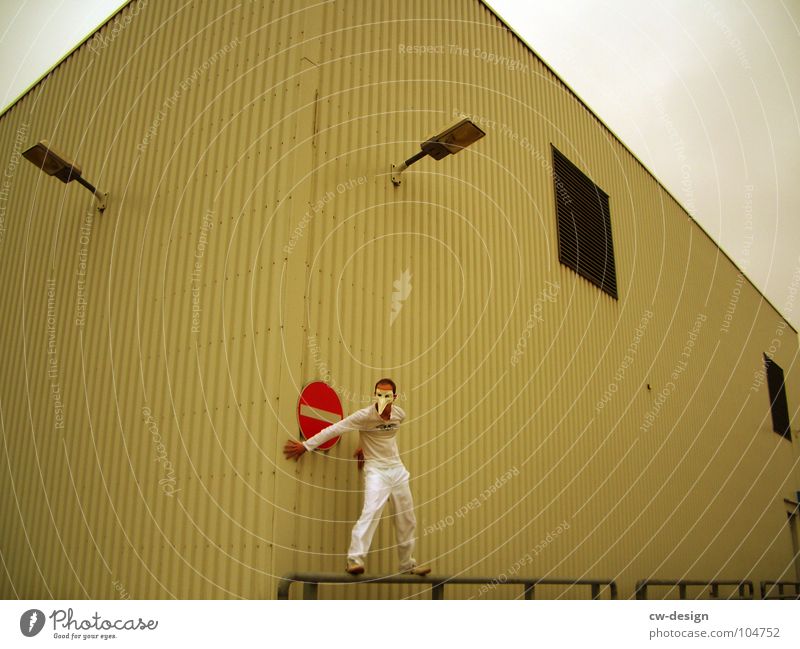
(418, 570)
(354, 568)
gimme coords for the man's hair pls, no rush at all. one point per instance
(390, 382)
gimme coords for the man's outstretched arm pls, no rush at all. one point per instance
(294, 449)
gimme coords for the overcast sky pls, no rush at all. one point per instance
(704, 92)
(707, 94)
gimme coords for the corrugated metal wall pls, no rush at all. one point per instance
(252, 244)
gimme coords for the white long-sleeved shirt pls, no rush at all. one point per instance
(377, 434)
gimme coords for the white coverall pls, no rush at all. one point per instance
(385, 478)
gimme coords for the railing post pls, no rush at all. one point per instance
(529, 592)
(682, 591)
(283, 588)
(613, 593)
(310, 589)
(715, 590)
(437, 592)
(595, 590)
(770, 586)
(641, 589)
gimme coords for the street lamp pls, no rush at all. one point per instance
(55, 164)
(437, 147)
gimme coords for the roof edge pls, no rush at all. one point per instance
(91, 33)
(635, 157)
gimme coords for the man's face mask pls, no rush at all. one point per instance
(383, 397)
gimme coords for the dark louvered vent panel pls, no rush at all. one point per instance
(777, 398)
(584, 225)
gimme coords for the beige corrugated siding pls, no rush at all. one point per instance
(250, 143)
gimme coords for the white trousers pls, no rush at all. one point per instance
(382, 484)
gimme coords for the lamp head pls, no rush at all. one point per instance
(51, 162)
(452, 140)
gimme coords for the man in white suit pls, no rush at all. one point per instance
(385, 476)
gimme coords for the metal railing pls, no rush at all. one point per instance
(312, 580)
(643, 584)
(766, 585)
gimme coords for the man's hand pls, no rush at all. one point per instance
(359, 455)
(293, 449)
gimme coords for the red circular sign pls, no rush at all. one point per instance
(318, 407)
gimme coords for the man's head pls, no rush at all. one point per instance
(385, 393)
